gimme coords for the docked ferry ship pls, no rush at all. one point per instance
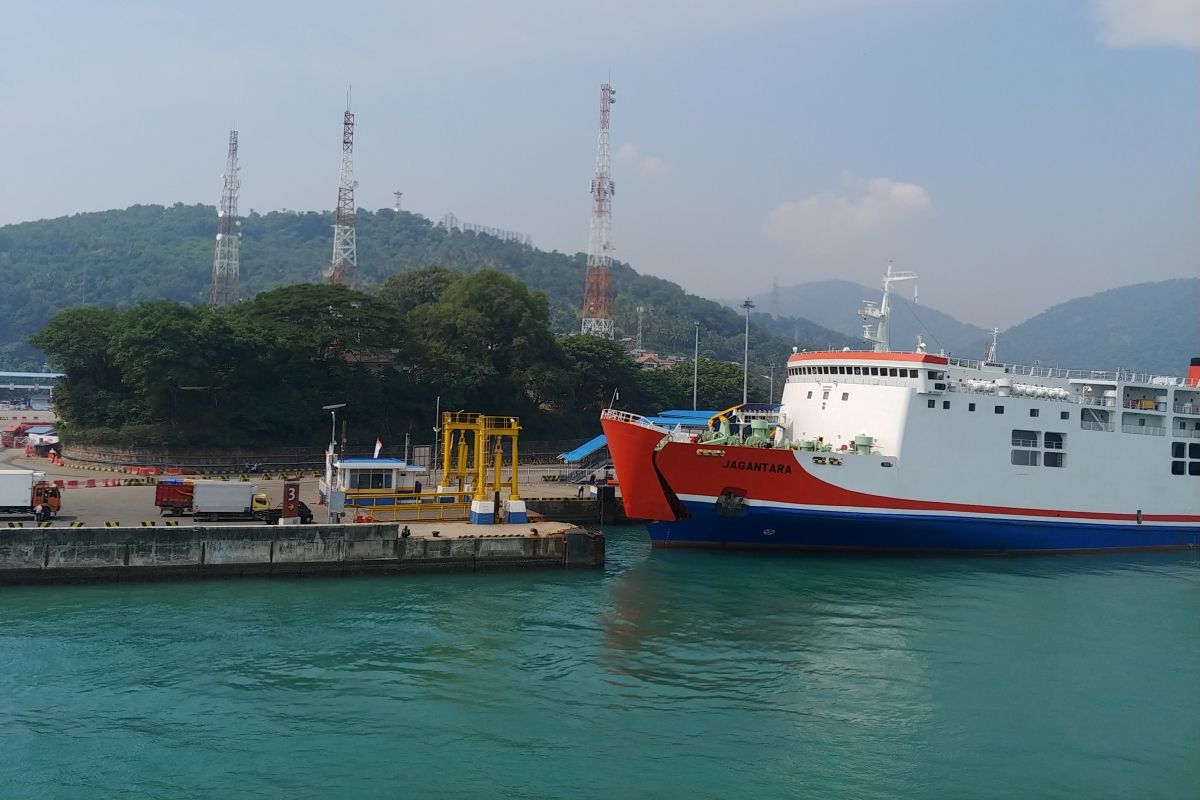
(879, 450)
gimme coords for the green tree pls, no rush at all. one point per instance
(487, 343)
(407, 290)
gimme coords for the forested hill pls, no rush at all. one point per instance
(119, 258)
(1147, 327)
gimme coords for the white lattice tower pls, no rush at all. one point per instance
(224, 290)
(597, 287)
(343, 267)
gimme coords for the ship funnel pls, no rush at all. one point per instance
(1193, 376)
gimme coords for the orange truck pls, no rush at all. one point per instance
(24, 492)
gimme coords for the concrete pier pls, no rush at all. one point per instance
(70, 555)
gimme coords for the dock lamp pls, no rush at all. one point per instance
(332, 409)
(748, 304)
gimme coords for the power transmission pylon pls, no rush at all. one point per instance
(224, 290)
(343, 267)
(597, 286)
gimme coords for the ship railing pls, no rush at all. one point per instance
(1038, 371)
(1024, 442)
(1186, 408)
(1092, 425)
(1145, 430)
(1183, 433)
(618, 415)
(1145, 405)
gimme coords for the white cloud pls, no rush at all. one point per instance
(829, 216)
(1149, 23)
(630, 157)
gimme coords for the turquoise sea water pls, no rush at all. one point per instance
(689, 675)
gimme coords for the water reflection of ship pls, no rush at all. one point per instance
(746, 625)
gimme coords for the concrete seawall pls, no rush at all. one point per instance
(69, 555)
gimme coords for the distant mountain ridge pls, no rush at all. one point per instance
(834, 304)
(1146, 327)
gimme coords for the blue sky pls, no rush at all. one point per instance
(1015, 154)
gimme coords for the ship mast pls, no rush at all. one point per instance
(879, 313)
(990, 356)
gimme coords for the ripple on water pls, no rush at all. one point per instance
(669, 674)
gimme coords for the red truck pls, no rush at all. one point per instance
(174, 496)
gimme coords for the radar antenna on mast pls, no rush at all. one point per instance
(879, 313)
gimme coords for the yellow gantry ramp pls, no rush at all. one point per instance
(481, 435)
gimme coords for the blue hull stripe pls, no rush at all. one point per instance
(800, 529)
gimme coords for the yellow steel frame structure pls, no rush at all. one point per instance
(483, 430)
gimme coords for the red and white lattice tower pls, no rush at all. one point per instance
(224, 291)
(343, 267)
(597, 286)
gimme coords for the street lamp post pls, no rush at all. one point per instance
(695, 365)
(746, 354)
(332, 409)
(771, 391)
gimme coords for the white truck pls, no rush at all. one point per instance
(24, 492)
(214, 501)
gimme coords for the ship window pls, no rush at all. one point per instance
(945, 404)
(1054, 440)
(891, 372)
(1022, 438)
(1025, 458)
(970, 406)
(885, 463)
(932, 403)
(845, 395)
(1194, 468)
(999, 409)
(1178, 467)
(1177, 449)
(874, 370)
(825, 395)
(1064, 415)
(809, 396)
(1033, 412)
(858, 370)
(1194, 450)
(1054, 460)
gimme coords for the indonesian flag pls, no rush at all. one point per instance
(378, 446)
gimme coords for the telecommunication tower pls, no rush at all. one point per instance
(224, 291)
(597, 286)
(343, 267)
(397, 195)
